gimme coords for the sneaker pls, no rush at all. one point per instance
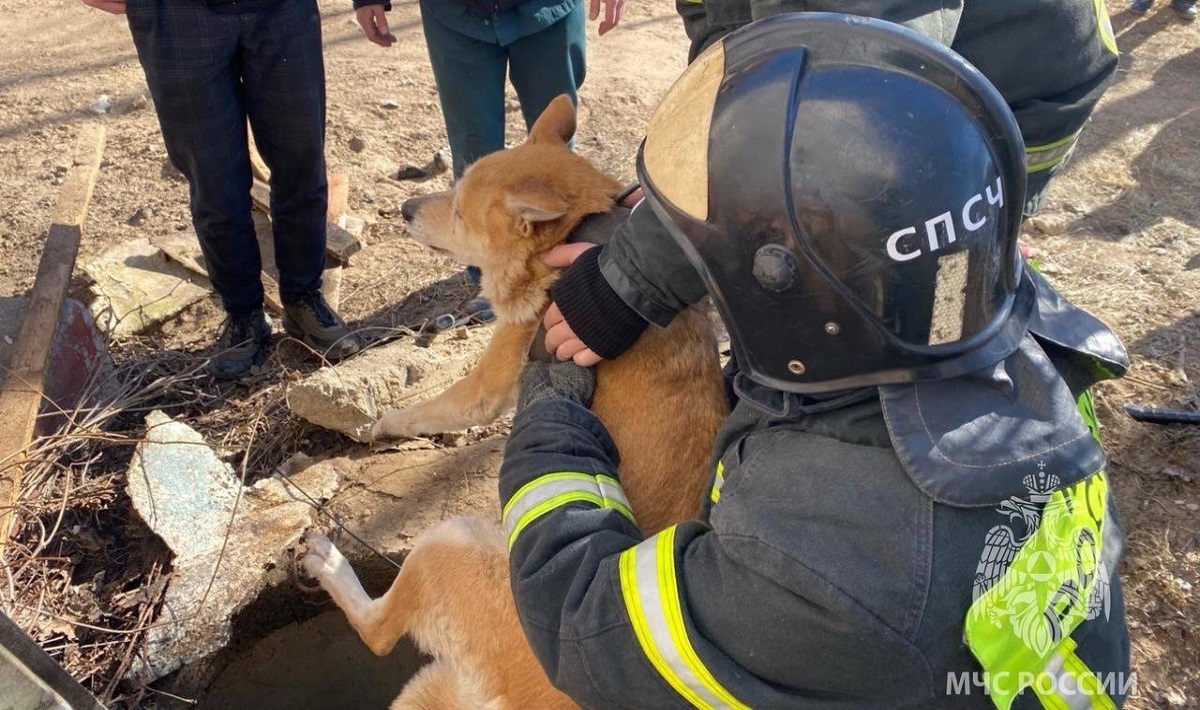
(1141, 7)
(1185, 10)
(241, 346)
(311, 321)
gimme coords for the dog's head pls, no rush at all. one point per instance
(510, 206)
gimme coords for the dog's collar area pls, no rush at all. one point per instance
(598, 227)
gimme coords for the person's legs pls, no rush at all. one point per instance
(284, 82)
(284, 79)
(470, 76)
(470, 81)
(1185, 9)
(549, 63)
(189, 55)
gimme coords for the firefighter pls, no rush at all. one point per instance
(908, 505)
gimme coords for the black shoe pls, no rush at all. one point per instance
(311, 321)
(242, 346)
(479, 310)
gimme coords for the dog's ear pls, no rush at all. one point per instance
(533, 203)
(556, 124)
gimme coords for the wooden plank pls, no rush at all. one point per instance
(339, 196)
(260, 196)
(21, 396)
(258, 167)
(339, 243)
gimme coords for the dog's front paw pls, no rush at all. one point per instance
(322, 559)
(395, 424)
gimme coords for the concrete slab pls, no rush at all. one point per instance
(225, 538)
(351, 395)
(137, 286)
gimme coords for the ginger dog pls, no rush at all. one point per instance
(662, 402)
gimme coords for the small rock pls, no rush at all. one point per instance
(170, 172)
(1050, 224)
(408, 171)
(456, 439)
(1175, 698)
(368, 196)
(1193, 507)
(357, 145)
(460, 333)
(131, 104)
(438, 164)
(390, 104)
(180, 226)
(139, 217)
(101, 105)
(1176, 472)
(8, 340)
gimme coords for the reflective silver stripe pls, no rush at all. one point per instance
(1071, 685)
(1075, 701)
(652, 597)
(538, 497)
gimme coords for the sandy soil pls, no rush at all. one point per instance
(1120, 233)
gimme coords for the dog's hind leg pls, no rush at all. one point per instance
(379, 622)
(484, 394)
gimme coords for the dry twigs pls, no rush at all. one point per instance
(83, 575)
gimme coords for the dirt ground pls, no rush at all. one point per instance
(1120, 235)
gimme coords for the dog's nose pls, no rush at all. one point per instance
(409, 209)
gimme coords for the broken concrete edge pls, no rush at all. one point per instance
(350, 396)
(226, 538)
(386, 501)
(137, 286)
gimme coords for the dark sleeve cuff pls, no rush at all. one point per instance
(597, 314)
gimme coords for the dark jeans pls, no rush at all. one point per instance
(208, 73)
(470, 77)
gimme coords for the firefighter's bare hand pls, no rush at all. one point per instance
(560, 338)
(116, 7)
(612, 13)
(373, 21)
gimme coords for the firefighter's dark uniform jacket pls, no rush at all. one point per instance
(840, 556)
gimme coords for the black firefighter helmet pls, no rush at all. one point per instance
(851, 192)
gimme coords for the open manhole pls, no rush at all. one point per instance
(319, 664)
(293, 650)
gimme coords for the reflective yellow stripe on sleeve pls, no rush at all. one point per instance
(554, 490)
(651, 594)
(718, 482)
